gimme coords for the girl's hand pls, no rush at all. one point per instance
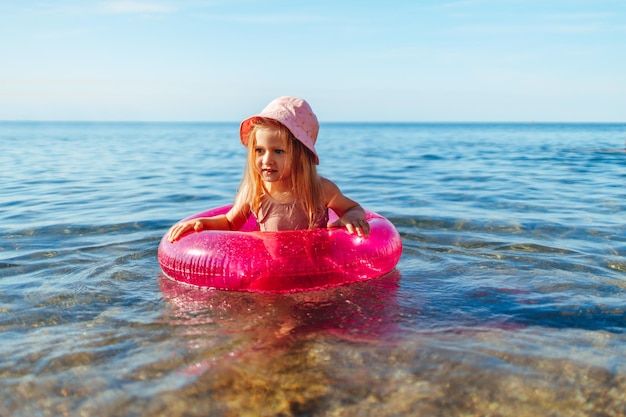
(354, 221)
(181, 228)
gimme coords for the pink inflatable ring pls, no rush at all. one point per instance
(289, 261)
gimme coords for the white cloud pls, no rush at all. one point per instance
(460, 3)
(495, 29)
(132, 7)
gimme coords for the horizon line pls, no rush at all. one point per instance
(320, 122)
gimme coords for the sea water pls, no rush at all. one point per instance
(509, 298)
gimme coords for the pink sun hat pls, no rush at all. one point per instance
(293, 113)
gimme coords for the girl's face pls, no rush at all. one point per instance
(271, 156)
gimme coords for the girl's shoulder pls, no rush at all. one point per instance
(329, 189)
(326, 183)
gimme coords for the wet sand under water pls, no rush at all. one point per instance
(286, 363)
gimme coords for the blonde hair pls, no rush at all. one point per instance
(306, 185)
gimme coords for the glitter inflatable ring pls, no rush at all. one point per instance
(286, 261)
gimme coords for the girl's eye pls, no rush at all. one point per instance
(279, 151)
(258, 150)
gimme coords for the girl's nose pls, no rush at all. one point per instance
(267, 158)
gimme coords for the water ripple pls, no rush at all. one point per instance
(508, 298)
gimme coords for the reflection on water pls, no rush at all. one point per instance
(365, 311)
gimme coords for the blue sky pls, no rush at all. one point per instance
(191, 60)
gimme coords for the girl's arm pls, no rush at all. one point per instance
(233, 220)
(351, 214)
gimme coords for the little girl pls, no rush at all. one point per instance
(280, 186)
